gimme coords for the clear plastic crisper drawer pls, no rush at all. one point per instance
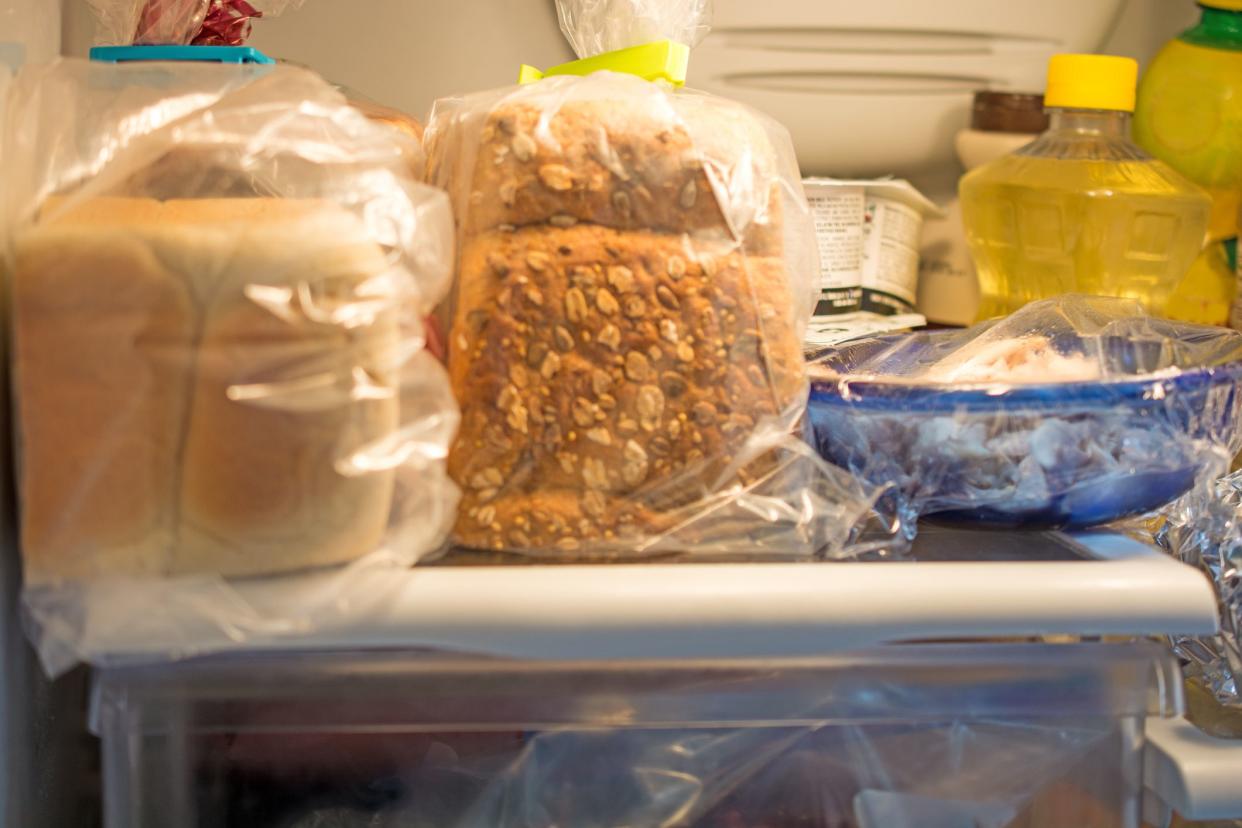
(932, 735)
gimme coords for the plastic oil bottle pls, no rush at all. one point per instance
(1082, 209)
(1189, 115)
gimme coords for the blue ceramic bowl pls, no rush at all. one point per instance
(1057, 455)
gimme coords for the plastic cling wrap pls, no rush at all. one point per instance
(955, 773)
(218, 280)
(179, 22)
(593, 27)
(1071, 412)
(634, 280)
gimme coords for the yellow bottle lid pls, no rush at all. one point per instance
(1091, 82)
(1227, 5)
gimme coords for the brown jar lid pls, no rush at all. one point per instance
(1009, 112)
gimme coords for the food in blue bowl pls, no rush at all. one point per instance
(1072, 412)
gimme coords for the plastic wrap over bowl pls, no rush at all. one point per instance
(1162, 412)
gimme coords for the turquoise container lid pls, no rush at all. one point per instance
(200, 54)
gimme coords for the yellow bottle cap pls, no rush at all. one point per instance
(664, 60)
(1227, 5)
(1091, 82)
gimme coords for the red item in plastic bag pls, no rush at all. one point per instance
(227, 23)
(163, 21)
(224, 22)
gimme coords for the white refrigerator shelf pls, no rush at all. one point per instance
(1191, 772)
(962, 585)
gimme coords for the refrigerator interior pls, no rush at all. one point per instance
(418, 52)
(49, 760)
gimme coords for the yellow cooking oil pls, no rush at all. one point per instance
(1082, 209)
(1041, 227)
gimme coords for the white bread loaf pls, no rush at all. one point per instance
(192, 380)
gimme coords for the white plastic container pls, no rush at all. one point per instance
(868, 234)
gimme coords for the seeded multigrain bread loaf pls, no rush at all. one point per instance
(606, 378)
(648, 162)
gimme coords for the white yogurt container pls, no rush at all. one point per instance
(868, 233)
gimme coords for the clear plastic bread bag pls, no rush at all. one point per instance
(635, 265)
(217, 281)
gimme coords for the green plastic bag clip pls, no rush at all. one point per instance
(664, 60)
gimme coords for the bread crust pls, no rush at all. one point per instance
(607, 377)
(679, 164)
(186, 374)
(101, 347)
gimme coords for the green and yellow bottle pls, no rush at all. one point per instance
(1189, 115)
(1082, 209)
